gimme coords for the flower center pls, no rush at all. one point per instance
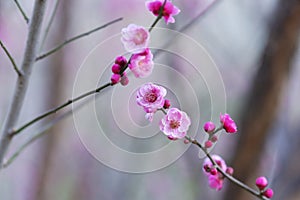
(150, 97)
(139, 38)
(174, 124)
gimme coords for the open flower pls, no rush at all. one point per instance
(141, 64)
(215, 178)
(151, 98)
(228, 123)
(175, 124)
(135, 38)
(168, 12)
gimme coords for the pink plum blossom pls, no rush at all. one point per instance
(142, 64)
(228, 123)
(168, 12)
(151, 98)
(175, 124)
(215, 180)
(135, 38)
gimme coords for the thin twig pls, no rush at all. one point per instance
(58, 47)
(54, 110)
(23, 81)
(229, 177)
(22, 12)
(49, 23)
(64, 105)
(11, 59)
(43, 131)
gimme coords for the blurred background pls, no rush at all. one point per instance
(254, 46)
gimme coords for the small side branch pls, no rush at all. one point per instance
(50, 23)
(22, 11)
(54, 110)
(229, 177)
(11, 59)
(75, 38)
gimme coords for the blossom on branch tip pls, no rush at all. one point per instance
(151, 97)
(228, 123)
(135, 38)
(175, 124)
(168, 12)
(141, 64)
(209, 127)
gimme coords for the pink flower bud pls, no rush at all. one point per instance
(172, 138)
(121, 60)
(167, 104)
(208, 144)
(268, 193)
(209, 127)
(214, 138)
(124, 79)
(206, 168)
(213, 171)
(229, 171)
(186, 141)
(116, 69)
(228, 123)
(115, 78)
(261, 182)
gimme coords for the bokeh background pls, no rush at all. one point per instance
(254, 45)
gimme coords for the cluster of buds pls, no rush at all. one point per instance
(227, 123)
(215, 178)
(262, 183)
(118, 75)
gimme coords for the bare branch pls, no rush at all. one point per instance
(11, 59)
(22, 11)
(50, 23)
(75, 38)
(54, 110)
(44, 130)
(22, 82)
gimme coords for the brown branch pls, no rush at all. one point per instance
(11, 59)
(22, 11)
(54, 110)
(229, 177)
(58, 47)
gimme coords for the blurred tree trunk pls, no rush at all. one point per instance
(54, 70)
(264, 97)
